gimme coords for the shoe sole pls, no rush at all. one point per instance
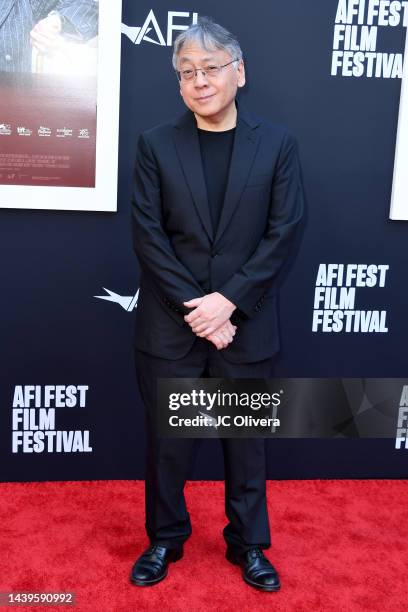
(231, 558)
(172, 559)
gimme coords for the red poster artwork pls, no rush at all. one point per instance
(47, 129)
(48, 87)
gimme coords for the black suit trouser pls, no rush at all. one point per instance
(168, 460)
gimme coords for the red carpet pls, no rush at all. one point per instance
(338, 545)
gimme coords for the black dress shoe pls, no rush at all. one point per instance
(258, 571)
(151, 566)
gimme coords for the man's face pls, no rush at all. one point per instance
(209, 96)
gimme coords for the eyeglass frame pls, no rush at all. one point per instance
(195, 70)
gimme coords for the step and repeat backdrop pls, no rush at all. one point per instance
(331, 71)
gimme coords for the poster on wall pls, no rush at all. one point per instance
(399, 194)
(59, 104)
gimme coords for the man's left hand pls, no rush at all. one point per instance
(210, 311)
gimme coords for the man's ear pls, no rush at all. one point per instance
(241, 73)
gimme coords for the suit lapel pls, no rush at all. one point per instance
(245, 146)
(188, 149)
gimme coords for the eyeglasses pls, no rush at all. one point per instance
(208, 71)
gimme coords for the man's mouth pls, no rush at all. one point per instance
(205, 97)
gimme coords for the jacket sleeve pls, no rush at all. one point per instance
(248, 285)
(172, 281)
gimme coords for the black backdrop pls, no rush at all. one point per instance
(54, 331)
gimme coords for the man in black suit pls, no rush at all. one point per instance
(216, 201)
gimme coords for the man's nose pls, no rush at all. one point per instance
(201, 79)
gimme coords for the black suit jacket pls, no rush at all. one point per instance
(180, 255)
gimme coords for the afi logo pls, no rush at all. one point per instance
(128, 302)
(137, 35)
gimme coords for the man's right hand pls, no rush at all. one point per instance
(223, 335)
(45, 34)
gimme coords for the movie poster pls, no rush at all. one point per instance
(399, 195)
(54, 93)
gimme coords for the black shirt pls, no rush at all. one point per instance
(216, 149)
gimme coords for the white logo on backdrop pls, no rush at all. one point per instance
(357, 29)
(401, 439)
(35, 413)
(128, 302)
(335, 308)
(151, 27)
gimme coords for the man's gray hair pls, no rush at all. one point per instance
(210, 36)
